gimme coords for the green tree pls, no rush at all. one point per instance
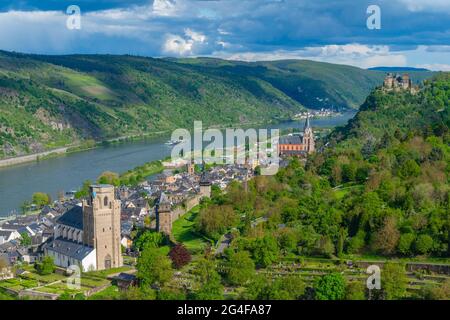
(210, 287)
(25, 239)
(46, 266)
(423, 244)
(405, 243)
(148, 239)
(393, 280)
(329, 287)
(241, 268)
(41, 199)
(83, 192)
(355, 290)
(153, 267)
(409, 169)
(109, 177)
(265, 251)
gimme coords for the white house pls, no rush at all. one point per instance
(66, 253)
(8, 235)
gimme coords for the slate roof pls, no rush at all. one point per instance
(72, 249)
(291, 140)
(72, 218)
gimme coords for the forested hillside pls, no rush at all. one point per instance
(379, 189)
(52, 101)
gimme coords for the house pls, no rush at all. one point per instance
(8, 235)
(125, 280)
(126, 242)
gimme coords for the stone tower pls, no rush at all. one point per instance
(101, 226)
(308, 137)
(191, 168)
(164, 215)
(205, 186)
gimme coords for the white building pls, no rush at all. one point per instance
(66, 253)
(8, 235)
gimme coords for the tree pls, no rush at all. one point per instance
(329, 287)
(393, 280)
(46, 266)
(25, 239)
(210, 287)
(265, 251)
(405, 243)
(409, 169)
(355, 290)
(386, 239)
(41, 199)
(241, 268)
(179, 255)
(214, 220)
(109, 177)
(154, 268)
(148, 239)
(423, 244)
(83, 192)
(433, 292)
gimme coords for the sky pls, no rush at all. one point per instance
(413, 33)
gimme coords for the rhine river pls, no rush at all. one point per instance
(65, 173)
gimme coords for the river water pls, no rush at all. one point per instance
(66, 173)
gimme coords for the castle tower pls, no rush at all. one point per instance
(164, 215)
(308, 137)
(101, 226)
(205, 186)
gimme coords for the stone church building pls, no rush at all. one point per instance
(89, 235)
(298, 145)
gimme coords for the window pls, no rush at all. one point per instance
(105, 201)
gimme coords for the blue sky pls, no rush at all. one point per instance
(413, 32)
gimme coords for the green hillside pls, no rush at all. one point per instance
(52, 101)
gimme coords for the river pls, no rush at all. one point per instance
(66, 173)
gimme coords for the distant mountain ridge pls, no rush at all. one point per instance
(398, 69)
(52, 101)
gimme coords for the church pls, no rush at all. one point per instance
(89, 235)
(297, 145)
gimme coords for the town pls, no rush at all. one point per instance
(91, 233)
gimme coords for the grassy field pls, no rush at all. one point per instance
(183, 231)
(110, 293)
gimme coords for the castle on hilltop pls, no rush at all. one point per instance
(398, 82)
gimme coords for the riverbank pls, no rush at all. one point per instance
(91, 144)
(67, 171)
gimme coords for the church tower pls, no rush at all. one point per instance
(101, 226)
(308, 137)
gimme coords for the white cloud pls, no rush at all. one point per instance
(427, 5)
(435, 66)
(351, 54)
(184, 46)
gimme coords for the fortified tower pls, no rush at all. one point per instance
(101, 226)
(164, 215)
(205, 185)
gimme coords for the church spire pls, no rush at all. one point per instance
(307, 124)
